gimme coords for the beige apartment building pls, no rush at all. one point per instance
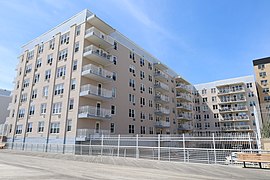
(5, 99)
(262, 70)
(226, 106)
(83, 78)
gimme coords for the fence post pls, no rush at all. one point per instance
(184, 147)
(137, 146)
(158, 146)
(118, 145)
(102, 139)
(249, 140)
(214, 146)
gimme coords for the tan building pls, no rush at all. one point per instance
(262, 70)
(84, 78)
(5, 99)
(226, 106)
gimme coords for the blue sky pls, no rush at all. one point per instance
(201, 40)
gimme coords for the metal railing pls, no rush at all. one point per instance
(88, 111)
(183, 96)
(162, 110)
(97, 71)
(164, 98)
(94, 90)
(236, 127)
(230, 90)
(96, 32)
(161, 74)
(241, 108)
(210, 150)
(99, 52)
(162, 124)
(162, 85)
(235, 118)
(184, 86)
(225, 100)
(183, 106)
(184, 116)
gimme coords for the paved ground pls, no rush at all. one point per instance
(25, 165)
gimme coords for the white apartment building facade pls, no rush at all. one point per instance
(226, 106)
(83, 77)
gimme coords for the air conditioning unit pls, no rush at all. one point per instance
(59, 115)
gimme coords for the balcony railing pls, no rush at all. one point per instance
(236, 128)
(162, 98)
(85, 134)
(95, 70)
(94, 112)
(241, 108)
(184, 87)
(162, 110)
(183, 106)
(230, 90)
(235, 118)
(102, 56)
(162, 124)
(161, 75)
(94, 31)
(89, 89)
(231, 100)
(183, 96)
(184, 128)
(162, 86)
(183, 116)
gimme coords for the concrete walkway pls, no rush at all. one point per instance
(28, 165)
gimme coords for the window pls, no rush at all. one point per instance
(142, 101)
(132, 69)
(41, 126)
(150, 103)
(265, 90)
(132, 83)
(142, 88)
(216, 115)
(55, 127)
(207, 124)
(64, 38)
(45, 91)
(142, 75)
(36, 78)
(21, 113)
(252, 103)
(47, 74)
(69, 124)
(112, 127)
(204, 100)
(40, 49)
(112, 109)
(150, 66)
(43, 108)
(141, 62)
(63, 54)
(32, 110)
(30, 55)
(71, 104)
(61, 71)
(114, 60)
(24, 97)
(267, 98)
(28, 68)
(142, 129)
(73, 84)
(51, 43)
(76, 47)
(131, 55)
(151, 130)
(142, 115)
(57, 108)
(59, 89)
(131, 113)
(19, 129)
(215, 107)
(34, 94)
(261, 66)
(264, 82)
(29, 127)
(249, 85)
(204, 91)
(214, 99)
(78, 30)
(114, 76)
(262, 74)
(213, 90)
(150, 117)
(75, 65)
(217, 124)
(150, 90)
(150, 78)
(251, 94)
(114, 92)
(39, 63)
(50, 59)
(131, 98)
(131, 129)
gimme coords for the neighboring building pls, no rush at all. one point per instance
(82, 78)
(262, 72)
(226, 106)
(5, 99)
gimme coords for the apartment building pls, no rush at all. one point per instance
(262, 70)
(5, 99)
(83, 77)
(226, 106)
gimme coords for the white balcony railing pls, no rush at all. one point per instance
(230, 90)
(87, 133)
(240, 108)
(99, 52)
(98, 33)
(97, 71)
(94, 90)
(161, 74)
(163, 110)
(184, 86)
(162, 98)
(162, 124)
(183, 96)
(236, 128)
(91, 111)
(183, 106)
(184, 116)
(228, 100)
(162, 85)
(235, 118)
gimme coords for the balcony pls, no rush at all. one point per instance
(183, 107)
(96, 73)
(162, 124)
(230, 91)
(183, 97)
(85, 134)
(161, 76)
(233, 109)
(162, 99)
(232, 100)
(98, 55)
(234, 118)
(161, 87)
(183, 87)
(184, 128)
(184, 117)
(99, 38)
(237, 128)
(91, 112)
(94, 92)
(161, 111)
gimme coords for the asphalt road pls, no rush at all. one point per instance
(23, 165)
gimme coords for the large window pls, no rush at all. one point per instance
(131, 129)
(57, 108)
(19, 129)
(29, 127)
(55, 127)
(59, 89)
(41, 126)
(61, 71)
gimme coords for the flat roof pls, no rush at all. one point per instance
(264, 60)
